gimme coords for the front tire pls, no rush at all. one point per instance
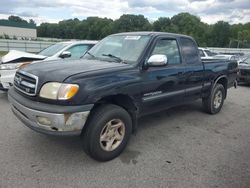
(215, 101)
(107, 133)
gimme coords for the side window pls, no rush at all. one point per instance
(78, 50)
(209, 53)
(189, 51)
(169, 48)
(201, 53)
(247, 60)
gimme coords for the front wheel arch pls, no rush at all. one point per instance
(124, 101)
(90, 137)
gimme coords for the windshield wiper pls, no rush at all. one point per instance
(89, 54)
(244, 63)
(118, 59)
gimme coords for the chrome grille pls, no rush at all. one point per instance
(245, 72)
(26, 83)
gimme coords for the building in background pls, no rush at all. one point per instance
(16, 30)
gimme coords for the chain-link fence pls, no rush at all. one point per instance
(239, 51)
(23, 45)
(37, 46)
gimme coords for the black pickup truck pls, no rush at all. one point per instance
(122, 78)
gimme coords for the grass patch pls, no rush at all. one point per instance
(2, 53)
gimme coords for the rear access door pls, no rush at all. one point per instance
(194, 69)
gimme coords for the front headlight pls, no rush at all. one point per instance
(8, 66)
(58, 91)
(13, 66)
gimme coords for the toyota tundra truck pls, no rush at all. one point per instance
(124, 77)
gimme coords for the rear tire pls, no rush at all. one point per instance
(215, 101)
(107, 133)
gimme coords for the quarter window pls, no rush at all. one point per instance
(169, 48)
(189, 51)
(201, 53)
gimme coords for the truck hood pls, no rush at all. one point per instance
(60, 70)
(244, 66)
(15, 56)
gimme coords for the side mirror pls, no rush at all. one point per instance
(157, 60)
(65, 54)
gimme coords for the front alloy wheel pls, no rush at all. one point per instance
(107, 132)
(112, 135)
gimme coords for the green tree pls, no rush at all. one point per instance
(188, 24)
(16, 19)
(244, 35)
(66, 28)
(162, 24)
(98, 28)
(130, 22)
(95, 28)
(31, 21)
(221, 34)
(81, 30)
(48, 30)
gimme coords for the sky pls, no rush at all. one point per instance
(210, 11)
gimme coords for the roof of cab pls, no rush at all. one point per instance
(152, 33)
(79, 42)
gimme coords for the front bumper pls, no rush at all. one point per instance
(242, 78)
(6, 78)
(2, 88)
(66, 121)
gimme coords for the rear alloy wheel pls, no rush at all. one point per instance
(107, 133)
(215, 101)
(218, 97)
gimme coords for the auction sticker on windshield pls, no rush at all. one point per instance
(132, 37)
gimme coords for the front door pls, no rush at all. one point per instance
(163, 87)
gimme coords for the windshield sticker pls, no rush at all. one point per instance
(132, 37)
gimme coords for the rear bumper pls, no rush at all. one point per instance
(66, 123)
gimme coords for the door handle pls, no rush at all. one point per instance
(179, 73)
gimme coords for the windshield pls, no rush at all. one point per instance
(119, 48)
(209, 53)
(246, 61)
(53, 49)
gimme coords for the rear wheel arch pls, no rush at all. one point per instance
(223, 81)
(214, 102)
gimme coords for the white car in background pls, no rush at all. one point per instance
(228, 57)
(12, 61)
(206, 53)
(70, 49)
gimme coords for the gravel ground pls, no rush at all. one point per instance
(180, 147)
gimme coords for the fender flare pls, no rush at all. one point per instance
(218, 78)
(216, 81)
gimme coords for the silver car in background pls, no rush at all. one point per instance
(206, 53)
(228, 57)
(70, 49)
(12, 61)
